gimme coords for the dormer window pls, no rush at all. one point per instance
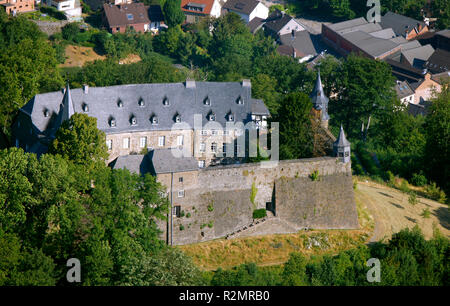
(207, 101)
(211, 116)
(46, 113)
(166, 101)
(177, 118)
(154, 119)
(133, 120)
(141, 102)
(119, 103)
(230, 116)
(240, 101)
(85, 108)
(112, 122)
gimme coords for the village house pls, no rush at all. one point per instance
(279, 23)
(134, 16)
(13, 7)
(404, 92)
(195, 10)
(70, 8)
(247, 9)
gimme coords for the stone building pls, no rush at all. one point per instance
(341, 147)
(204, 119)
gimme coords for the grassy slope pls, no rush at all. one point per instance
(379, 215)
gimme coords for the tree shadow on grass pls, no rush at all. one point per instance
(443, 214)
(397, 205)
(411, 219)
(385, 194)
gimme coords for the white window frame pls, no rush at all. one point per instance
(143, 142)
(202, 147)
(180, 140)
(161, 141)
(126, 143)
(214, 147)
(201, 164)
(109, 143)
(181, 193)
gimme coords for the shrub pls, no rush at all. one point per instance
(259, 213)
(412, 199)
(211, 207)
(390, 178)
(426, 213)
(188, 215)
(418, 179)
(181, 227)
(253, 195)
(315, 175)
(404, 186)
(435, 193)
(211, 224)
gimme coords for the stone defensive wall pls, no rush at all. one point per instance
(221, 201)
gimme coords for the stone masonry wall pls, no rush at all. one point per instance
(220, 202)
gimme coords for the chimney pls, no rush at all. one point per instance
(85, 89)
(190, 83)
(246, 83)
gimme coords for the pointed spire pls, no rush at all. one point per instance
(67, 105)
(319, 99)
(342, 140)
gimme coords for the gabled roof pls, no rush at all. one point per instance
(417, 56)
(171, 160)
(241, 6)
(203, 7)
(255, 24)
(319, 99)
(399, 23)
(444, 33)
(374, 46)
(403, 89)
(126, 14)
(259, 108)
(438, 62)
(277, 20)
(341, 141)
(300, 41)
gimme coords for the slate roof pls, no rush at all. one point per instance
(438, 62)
(118, 15)
(319, 99)
(241, 6)
(418, 56)
(399, 23)
(385, 34)
(341, 141)
(164, 161)
(444, 33)
(301, 41)
(403, 89)
(142, 101)
(139, 164)
(373, 46)
(255, 24)
(347, 24)
(277, 20)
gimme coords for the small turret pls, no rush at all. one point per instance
(320, 100)
(341, 147)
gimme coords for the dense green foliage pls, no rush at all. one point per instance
(173, 15)
(259, 213)
(406, 260)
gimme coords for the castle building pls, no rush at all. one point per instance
(320, 101)
(341, 147)
(204, 119)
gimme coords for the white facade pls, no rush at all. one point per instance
(71, 8)
(216, 9)
(291, 25)
(260, 11)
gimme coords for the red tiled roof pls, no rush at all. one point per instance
(207, 6)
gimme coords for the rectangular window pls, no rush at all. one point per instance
(214, 132)
(181, 193)
(109, 144)
(180, 179)
(204, 132)
(202, 147)
(176, 211)
(143, 142)
(126, 143)
(179, 140)
(226, 132)
(201, 164)
(161, 141)
(224, 147)
(214, 147)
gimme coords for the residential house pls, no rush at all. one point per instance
(136, 16)
(279, 23)
(13, 7)
(198, 9)
(403, 26)
(247, 9)
(297, 44)
(205, 119)
(425, 88)
(404, 92)
(70, 8)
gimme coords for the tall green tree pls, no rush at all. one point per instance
(173, 15)
(79, 140)
(294, 117)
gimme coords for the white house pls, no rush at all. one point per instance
(71, 8)
(247, 9)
